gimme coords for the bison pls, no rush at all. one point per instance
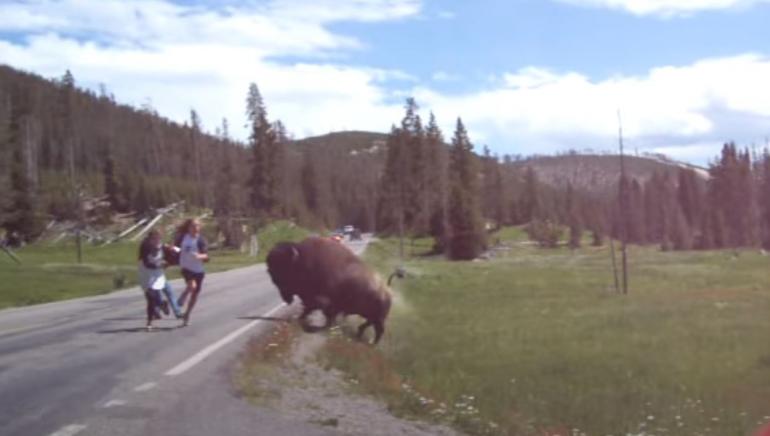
(328, 276)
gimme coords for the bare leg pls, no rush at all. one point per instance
(193, 300)
(190, 286)
(191, 290)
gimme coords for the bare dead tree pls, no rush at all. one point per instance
(623, 207)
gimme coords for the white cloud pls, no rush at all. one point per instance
(181, 57)
(539, 110)
(444, 76)
(274, 27)
(665, 8)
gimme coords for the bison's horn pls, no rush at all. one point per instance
(294, 254)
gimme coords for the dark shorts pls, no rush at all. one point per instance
(194, 276)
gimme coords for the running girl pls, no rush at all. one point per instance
(193, 253)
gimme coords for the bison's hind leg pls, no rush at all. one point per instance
(379, 329)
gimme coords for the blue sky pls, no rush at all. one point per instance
(497, 35)
(527, 76)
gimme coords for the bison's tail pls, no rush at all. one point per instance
(399, 272)
(384, 294)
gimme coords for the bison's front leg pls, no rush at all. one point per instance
(331, 316)
(362, 328)
(306, 309)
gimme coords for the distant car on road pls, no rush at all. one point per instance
(348, 229)
(355, 235)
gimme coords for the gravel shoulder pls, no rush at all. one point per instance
(282, 372)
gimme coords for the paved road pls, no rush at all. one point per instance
(87, 367)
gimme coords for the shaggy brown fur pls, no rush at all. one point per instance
(326, 275)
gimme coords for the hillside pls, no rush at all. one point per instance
(352, 142)
(589, 172)
(597, 173)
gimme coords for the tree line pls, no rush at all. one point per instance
(59, 142)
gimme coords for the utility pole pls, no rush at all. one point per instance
(623, 207)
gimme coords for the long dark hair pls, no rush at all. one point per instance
(184, 228)
(150, 234)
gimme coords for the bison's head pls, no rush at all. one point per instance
(282, 264)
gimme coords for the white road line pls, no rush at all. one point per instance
(206, 352)
(113, 403)
(145, 387)
(69, 430)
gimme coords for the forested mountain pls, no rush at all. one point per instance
(60, 144)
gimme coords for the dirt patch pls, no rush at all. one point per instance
(282, 372)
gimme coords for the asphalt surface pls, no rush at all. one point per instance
(88, 367)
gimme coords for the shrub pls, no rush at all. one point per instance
(546, 233)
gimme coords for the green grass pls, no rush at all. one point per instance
(51, 272)
(536, 342)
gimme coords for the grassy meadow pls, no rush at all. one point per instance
(50, 272)
(536, 342)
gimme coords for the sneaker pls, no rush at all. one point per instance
(149, 328)
(164, 307)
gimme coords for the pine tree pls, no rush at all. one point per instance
(67, 154)
(5, 156)
(263, 182)
(529, 204)
(404, 202)
(196, 141)
(732, 199)
(141, 202)
(493, 196)
(22, 217)
(573, 218)
(311, 188)
(417, 210)
(437, 183)
(467, 237)
(499, 209)
(654, 192)
(225, 201)
(764, 199)
(392, 189)
(636, 229)
(111, 189)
